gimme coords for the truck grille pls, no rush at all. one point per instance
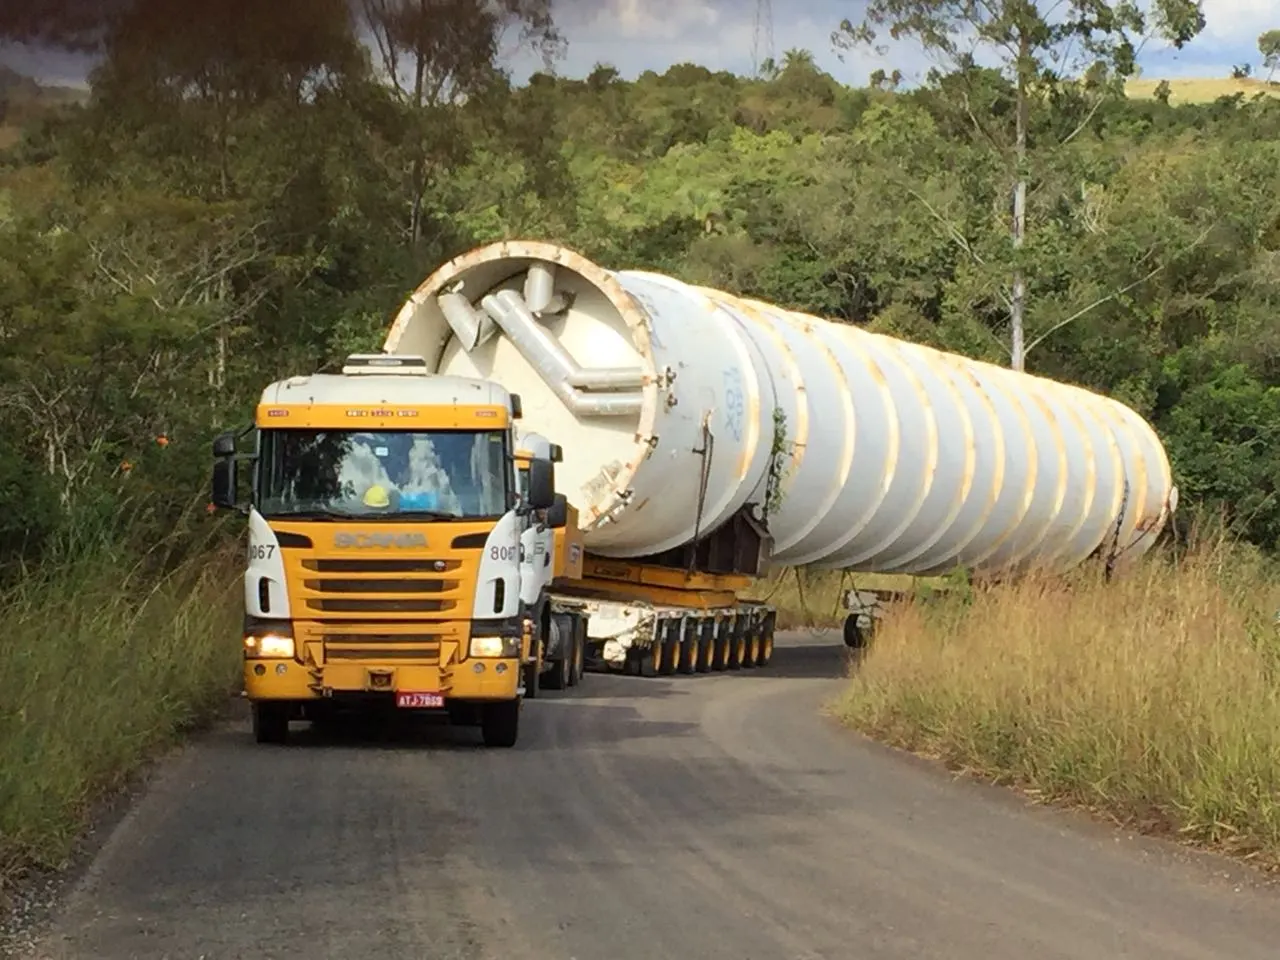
(381, 586)
(393, 647)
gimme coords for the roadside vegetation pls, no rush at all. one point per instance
(108, 656)
(1153, 700)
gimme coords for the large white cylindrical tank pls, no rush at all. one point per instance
(677, 405)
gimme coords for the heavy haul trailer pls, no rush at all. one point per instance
(706, 435)
(394, 556)
(645, 619)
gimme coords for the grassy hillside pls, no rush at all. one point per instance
(1201, 89)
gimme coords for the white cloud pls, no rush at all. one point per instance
(653, 19)
(639, 35)
(1238, 23)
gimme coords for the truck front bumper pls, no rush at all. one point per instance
(473, 679)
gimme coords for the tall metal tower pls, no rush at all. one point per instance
(762, 38)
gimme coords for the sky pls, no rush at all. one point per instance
(639, 35)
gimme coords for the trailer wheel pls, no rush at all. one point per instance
(766, 650)
(688, 648)
(577, 663)
(766, 641)
(854, 637)
(500, 725)
(650, 658)
(271, 722)
(721, 644)
(706, 645)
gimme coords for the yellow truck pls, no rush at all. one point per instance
(395, 552)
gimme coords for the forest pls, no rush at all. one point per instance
(221, 210)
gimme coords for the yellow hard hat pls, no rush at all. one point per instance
(376, 496)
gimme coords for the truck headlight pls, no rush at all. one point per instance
(495, 647)
(268, 646)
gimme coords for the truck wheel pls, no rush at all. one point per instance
(557, 678)
(579, 656)
(532, 680)
(501, 723)
(271, 722)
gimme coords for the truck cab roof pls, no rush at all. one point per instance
(388, 388)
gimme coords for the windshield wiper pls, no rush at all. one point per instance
(333, 516)
(424, 515)
(304, 515)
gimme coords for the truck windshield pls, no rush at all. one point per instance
(376, 473)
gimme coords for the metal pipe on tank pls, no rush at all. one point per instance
(471, 326)
(557, 368)
(859, 451)
(540, 290)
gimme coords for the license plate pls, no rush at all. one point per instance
(417, 700)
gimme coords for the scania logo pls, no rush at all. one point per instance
(362, 541)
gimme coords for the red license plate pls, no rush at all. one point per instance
(416, 700)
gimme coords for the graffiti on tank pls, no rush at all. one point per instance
(734, 404)
(651, 308)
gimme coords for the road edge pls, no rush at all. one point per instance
(29, 910)
(1217, 863)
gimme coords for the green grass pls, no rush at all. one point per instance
(100, 666)
(1153, 700)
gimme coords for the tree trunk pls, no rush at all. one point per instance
(1017, 305)
(1018, 300)
(419, 158)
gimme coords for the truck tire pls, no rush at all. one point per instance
(557, 678)
(500, 725)
(577, 664)
(532, 680)
(271, 722)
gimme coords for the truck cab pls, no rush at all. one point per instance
(389, 535)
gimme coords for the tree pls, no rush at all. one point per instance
(1269, 47)
(1085, 52)
(436, 54)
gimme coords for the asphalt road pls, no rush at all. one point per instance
(699, 818)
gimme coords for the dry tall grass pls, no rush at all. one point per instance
(1186, 90)
(100, 665)
(1154, 699)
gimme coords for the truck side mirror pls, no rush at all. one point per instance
(541, 488)
(225, 445)
(558, 513)
(224, 483)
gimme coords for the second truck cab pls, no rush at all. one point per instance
(390, 547)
